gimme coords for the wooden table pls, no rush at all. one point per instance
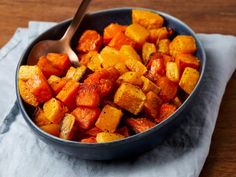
(212, 16)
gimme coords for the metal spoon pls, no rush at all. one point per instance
(42, 48)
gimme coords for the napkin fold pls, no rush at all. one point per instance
(182, 154)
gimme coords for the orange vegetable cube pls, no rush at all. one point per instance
(89, 41)
(147, 50)
(68, 94)
(120, 39)
(26, 72)
(156, 66)
(160, 33)
(53, 129)
(68, 127)
(59, 60)
(93, 131)
(149, 86)
(140, 125)
(109, 118)
(40, 119)
(136, 66)
(165, 111)
(105, 137)
(163, 46)
(95, 63)
(187, 60)
(130, 77)
(172, 71)
(56, 83)
(84, 59)
(189, 79)
(70, 72)
(110, 57)
(121, 68)
(86, 116)
(79, 72)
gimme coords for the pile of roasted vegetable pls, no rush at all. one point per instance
(130, 78)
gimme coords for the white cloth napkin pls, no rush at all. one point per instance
(180, 155)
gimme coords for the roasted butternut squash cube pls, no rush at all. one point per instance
(130, 98)
(172, 71)
(120, 39)
(121, 67)
(84, 59)
(152, 104)
(136, 66)
(111, 30)
(59, 60)
(79, 72)
(56, 83)
(128, 52)
(26, 95)
(95, 63)
(165, 111)
(26, 72)
(130, 77)
(156, 66)
(140, 125)
(68, 94)
(105, 137)
(137, 33)
(182, 44)
(163, 46)
(40, 119)
(147, 19)
(189, 79)
(109, 118)
(86, 116)
(90, 40)
(68, 127)
(148, 49)
(149, 86)
(54, 110)
(110, 57)
(160, 33)
(70, 72)
(53, 129)
(187, 60)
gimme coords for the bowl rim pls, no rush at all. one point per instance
(129, 139)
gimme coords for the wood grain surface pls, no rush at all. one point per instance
(210, 16)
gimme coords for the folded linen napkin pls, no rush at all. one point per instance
(180, 155)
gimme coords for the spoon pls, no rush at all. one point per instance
(42, 48)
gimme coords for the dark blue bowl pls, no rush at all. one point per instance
(130, 146)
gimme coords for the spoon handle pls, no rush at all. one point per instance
(76, 21)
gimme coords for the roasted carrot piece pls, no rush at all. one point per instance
(93, 131)
(88, 95)
(89, 41)
(120, 39)
(53, 129)
(89, 140)
(68, 93)
(139, 125)
(165, 111)
(86, 116)
(111, 30)
(56, 83)
(168, 88)
(59, 60)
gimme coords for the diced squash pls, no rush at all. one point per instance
(105, 137)
(165, 111)
(110, 57)
(40, 119)
(182, 44)
(56, 83)
(148, 49)
(59, 60)
(89, 140)
(53, 129)
(140, 125)
(54, 110)
(160, 33)
(120, 39)
(70, 72)
(79, 72)
(130, 77)
(26, 72)
(147, 19)
(111, 30)
(48, 68)
(130, 98)
(89, 41)
(121, 67)
(85, 58)
(137, 33)
(88, 95)
(109, 118)
(152, 104)
(168, 88)
(187, 60)
(172, 71)
(189, 79)
(128, 52)
(68, 93)
(177, 102)
(163, 46)
(86, 116)
(93, 131)
(156, 67)
(123, 131)
(136, 66)
(95, 63)
(39, 86)
(68, 127)
(149, 86)
(26, 95)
